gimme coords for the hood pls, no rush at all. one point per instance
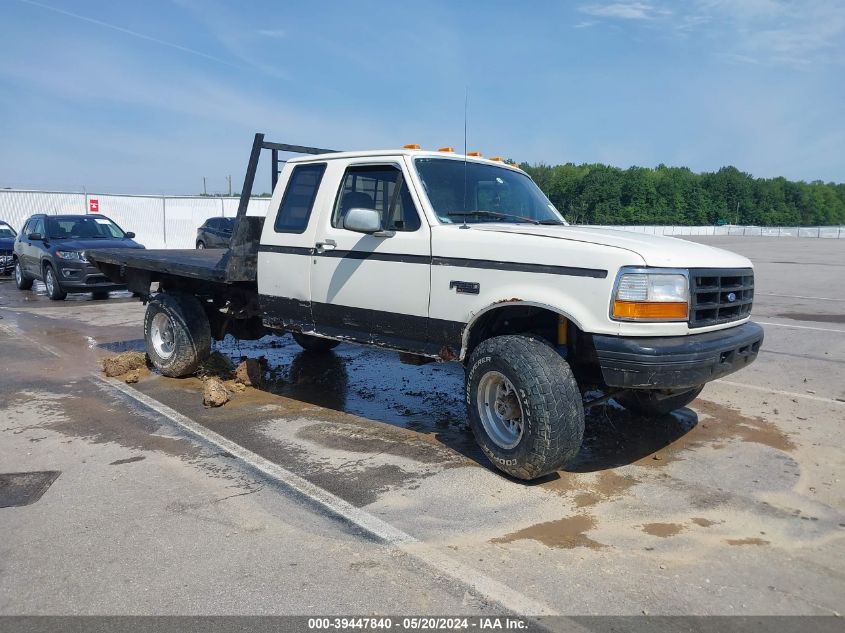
(655, 250)
(81, 245)
(7, 243)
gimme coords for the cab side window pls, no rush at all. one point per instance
(295, 208)
(379, 187)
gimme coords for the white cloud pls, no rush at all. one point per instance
(274, 33)
(624, 10)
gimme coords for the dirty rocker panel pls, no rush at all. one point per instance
(417, 334)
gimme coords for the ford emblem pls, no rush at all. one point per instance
(731, 297)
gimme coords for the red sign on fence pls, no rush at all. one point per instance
(93, 205)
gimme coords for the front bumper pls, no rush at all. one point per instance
(84, 277)
(676, 362)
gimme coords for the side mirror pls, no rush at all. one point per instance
(35, 237)
(129, 235)
(362, 221)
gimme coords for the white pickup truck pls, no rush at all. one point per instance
(457, 258)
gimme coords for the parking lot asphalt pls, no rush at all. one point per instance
(734, 505)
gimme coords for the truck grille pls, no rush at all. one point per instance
(719, 295)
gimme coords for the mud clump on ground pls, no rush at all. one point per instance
(214, 392)
(128, 365)
(250, 372)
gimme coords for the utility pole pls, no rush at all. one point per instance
(204, 192)
(229, 178)
(737, 213)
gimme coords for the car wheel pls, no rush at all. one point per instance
(54, 290)
(22, 281)
(524, 406)
(177, 333)
(200, 245)
(314, 343)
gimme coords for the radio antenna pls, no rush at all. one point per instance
(466, 101)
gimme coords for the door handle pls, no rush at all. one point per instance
(326, 245)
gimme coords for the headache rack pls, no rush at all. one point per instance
(720, 295)
(241, 260)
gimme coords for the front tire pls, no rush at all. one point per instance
(651, 403)
(524, 406)
(51, 281)
(314, 343)
(22, 281)
(177, 333)
(200, 245)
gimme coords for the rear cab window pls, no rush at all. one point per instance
(298, 201)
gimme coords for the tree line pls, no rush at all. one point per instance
(601, 194)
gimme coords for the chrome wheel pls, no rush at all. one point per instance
(50, 281)
(162, 335)
(18, 273)
(500, 409)
(200, 245)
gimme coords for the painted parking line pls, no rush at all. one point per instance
(774, 294)
(801, 327)
(791, 394)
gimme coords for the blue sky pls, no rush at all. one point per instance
(149, 97)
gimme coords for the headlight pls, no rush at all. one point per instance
(651, 295)
(77, 256)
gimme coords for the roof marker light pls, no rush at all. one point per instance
(411, 146)
(498, 159)
(476, 154)
(450, 150)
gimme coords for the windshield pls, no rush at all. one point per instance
(6, 231)
(483, 193)
(86, 228)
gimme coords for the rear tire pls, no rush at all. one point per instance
(647, 403)
(177, 333)
(22, 281)
(51, 281)
(314, 343)
(524, 406)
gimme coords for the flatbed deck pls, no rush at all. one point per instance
(204, 264)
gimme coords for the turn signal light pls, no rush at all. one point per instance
(649, 310)
(476, 154)
(446, 149)
(411, 146)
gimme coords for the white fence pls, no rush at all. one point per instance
(158, 221)
(172, 221)
(828, 232)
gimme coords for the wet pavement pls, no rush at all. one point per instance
(733, 505)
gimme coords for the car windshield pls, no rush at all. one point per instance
(6, 231)
(86, 228)
(477, 192)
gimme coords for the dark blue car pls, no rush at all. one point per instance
(7, 242)
(52, 248)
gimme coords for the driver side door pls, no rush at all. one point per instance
(372, 288)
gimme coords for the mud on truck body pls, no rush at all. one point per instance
(444, 257)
